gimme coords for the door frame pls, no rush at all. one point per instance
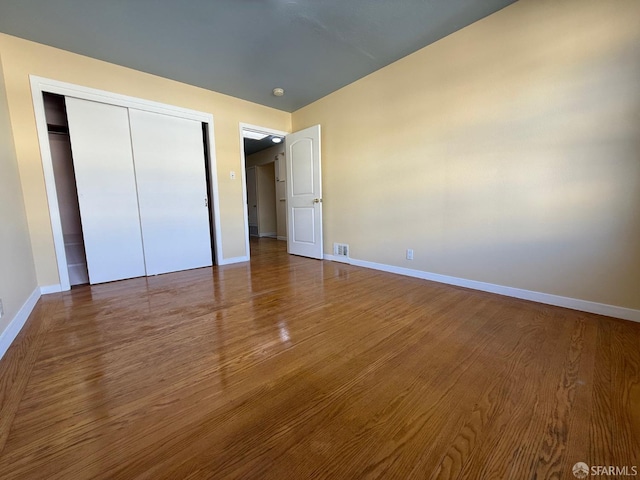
(266, 131)
(40, 85)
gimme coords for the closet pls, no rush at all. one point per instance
(141, 188)
(67, 195)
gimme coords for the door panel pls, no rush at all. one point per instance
(303, 223)
(302, 167)
(105, 180)
(172, 191)
(304, 193)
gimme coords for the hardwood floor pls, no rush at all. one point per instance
(290, 368)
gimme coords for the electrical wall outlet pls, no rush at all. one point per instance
(409, 254)
(1, 309)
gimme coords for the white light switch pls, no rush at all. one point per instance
(232, 175)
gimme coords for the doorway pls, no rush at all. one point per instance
(67, 193)
(264, 183)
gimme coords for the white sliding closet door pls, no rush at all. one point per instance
(172, 191)
(103, 163)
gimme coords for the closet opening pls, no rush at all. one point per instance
(208, 173)
(129, 194)
(66, 190)
(133, 190)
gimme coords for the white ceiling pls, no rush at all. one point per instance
(245, 48)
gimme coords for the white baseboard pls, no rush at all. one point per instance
(547, 298)
(282, 238)
(229, 261)
(15, 325)
(46, 289)
(337, 258)
(269, 234)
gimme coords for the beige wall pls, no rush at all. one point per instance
(21, 58)
(508, 152)
(17, 272)
(266, 186)
(265, 156)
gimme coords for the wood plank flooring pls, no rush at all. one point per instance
(290, 368)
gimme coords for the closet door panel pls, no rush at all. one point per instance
(105, 179)
(172, 191)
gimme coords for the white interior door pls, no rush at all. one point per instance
(172, 191)
(304, 193)
(103, 164)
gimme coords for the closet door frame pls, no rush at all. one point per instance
(40, 85)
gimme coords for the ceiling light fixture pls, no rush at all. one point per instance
(253, 135)
(278, 92)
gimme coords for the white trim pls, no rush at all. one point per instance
(50, 183)
(40, 85)
(268, 234)
(213, 174)
(229, 261)
(259, 129)
(284, 238)
(245, 201)
(102, 96)
(337, 258)
(546, 298)
(250, 134)
(15, 325)
(47, 289)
